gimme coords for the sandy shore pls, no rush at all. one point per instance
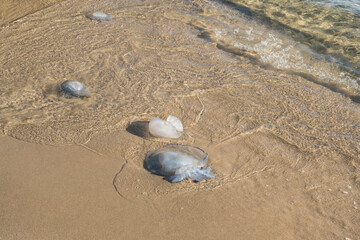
(285, 150)
(68, 193)
(265, 189)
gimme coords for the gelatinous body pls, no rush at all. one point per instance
(171, 128)
(177, 162)
(74, 88)
(100, 16)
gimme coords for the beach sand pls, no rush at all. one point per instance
(11, 10)
(68, 193)
(285, 149)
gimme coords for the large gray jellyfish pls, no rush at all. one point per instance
(74, 88)
(178, 162)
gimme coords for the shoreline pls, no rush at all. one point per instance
(266, 188)
(285, 150)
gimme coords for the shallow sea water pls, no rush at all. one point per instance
(263, 104)
(184, 51)
(327, 26)
(277, 33)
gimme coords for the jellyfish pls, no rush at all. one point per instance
(100, 16)
(74, 88)
(178, 162)
(171, 128)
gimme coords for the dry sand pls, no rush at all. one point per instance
(285, 149)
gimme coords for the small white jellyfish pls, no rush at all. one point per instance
(171, 128)
(74, 88)
(178, 162)
(100, 16)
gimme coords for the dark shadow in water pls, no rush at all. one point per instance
(139, 128)
(205, 35)
(244, 10)
(254, 60)
(274, 24)
(244, 53)
(330, 86)
(355, 98)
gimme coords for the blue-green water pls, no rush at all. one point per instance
(348, 5)
(330, 30)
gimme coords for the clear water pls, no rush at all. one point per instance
(155, 56)
(347, 5)
(330, 29)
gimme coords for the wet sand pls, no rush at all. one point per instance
(70, 192)
(11, 10)
(285, 149)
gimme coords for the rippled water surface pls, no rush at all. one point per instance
(150, 60)
(262, 87)
(330, 27)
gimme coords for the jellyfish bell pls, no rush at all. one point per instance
(100, 16)
(171, 128)
(74, 88)
(178, 162)
(175, 122)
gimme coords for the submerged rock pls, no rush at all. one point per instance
(171, 128)
(74, 88)
(178, 162)
(100, 16)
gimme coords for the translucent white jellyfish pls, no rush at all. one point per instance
(74, 88)
(100, 16)
(178, 162)
(171, 128)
